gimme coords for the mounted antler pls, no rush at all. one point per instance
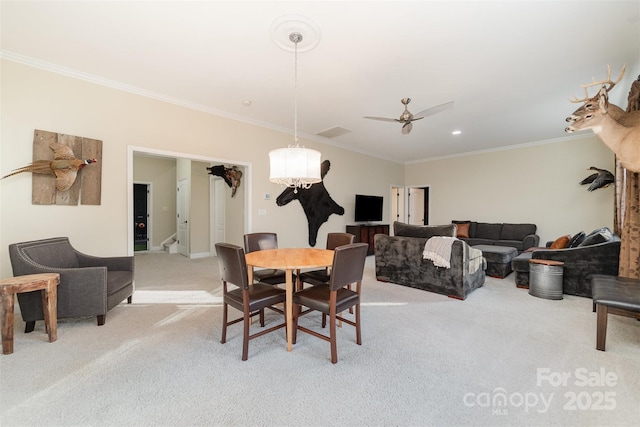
(619, 130)
(608, 81)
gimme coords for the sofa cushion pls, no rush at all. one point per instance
(463, 230)
(516, 231)
(486, 230)
(510, 243)
(473, 241)
(600, 235)
(561, 242)
(424, 231)
(576, 240)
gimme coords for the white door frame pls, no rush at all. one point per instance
(216, 201)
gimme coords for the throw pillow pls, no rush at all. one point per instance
(600, 235)
(560, 242)
(463, 230)
(576, 240)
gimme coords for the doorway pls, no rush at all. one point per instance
(418, 205)
(150, 167)
(141, 216)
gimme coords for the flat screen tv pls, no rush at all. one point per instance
(368, 208)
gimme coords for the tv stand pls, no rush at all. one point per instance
(364, 233)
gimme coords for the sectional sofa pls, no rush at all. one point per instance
(519, 236)
(596, 253)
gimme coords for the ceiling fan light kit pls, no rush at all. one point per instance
(295, 166)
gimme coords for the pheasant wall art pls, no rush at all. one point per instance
(57, 162)
(64, 166)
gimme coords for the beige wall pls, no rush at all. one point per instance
(32, 98)
(535, 184)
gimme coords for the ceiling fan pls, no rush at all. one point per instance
(406, 117)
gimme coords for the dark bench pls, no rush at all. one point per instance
(615, 295)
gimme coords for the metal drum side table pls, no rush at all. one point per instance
(545, 278)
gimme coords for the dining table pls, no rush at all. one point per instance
(288, 259)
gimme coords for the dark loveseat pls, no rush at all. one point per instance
(399, 259)
(89, 285)
(598, 253)
(519, 236)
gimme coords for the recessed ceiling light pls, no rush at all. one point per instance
(456, 132)
(246, 103)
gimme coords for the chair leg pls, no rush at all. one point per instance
(29, 326)
(358, 334)
(262, 317)
(101, 319)
(296, 313)
(602, 327)
(224, 323)
(332, 336)
(245, 336)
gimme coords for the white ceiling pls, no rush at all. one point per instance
(509, 66)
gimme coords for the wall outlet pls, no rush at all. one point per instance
(262, 212)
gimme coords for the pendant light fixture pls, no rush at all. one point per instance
(294, 166)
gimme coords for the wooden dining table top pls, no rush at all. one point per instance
(290, 258)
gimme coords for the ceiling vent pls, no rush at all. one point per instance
(333, 132)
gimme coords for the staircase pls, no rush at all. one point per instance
(170, 245)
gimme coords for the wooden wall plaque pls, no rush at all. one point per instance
(87, 187)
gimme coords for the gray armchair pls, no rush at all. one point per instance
(89, 285)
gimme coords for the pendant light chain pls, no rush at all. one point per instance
(295, 37)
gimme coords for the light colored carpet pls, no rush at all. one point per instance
(425, 360)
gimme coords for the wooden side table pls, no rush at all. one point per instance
(47, 283)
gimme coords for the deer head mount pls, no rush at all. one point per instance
(619, 130)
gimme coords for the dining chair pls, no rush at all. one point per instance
(250, 300)
(334, 298)
(321, 276)
(260, 242)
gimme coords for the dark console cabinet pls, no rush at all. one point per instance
(365, 233)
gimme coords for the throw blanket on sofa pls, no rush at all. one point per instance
(438, 250)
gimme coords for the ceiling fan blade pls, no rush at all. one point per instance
(407, 128)
(434, 110)
(384, 119)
